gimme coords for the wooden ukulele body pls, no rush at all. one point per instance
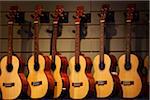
(103, 76)
(79, 85)
(39, 80)
(65, 77)
(91, 92)
(12, 83)
(130, 79)
(60, 77)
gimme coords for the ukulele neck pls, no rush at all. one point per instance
(128, 41)
(101, 42)
(10, 41)
(54, 41)
(77, 43)
(36, 41)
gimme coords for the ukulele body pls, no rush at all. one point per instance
(130, 79)
(12, 83)
(79, 85)
(117, 91)
(65, 78)
(37, 80)
(103, 78)
(91, 92)
(60, 77)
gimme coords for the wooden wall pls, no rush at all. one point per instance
(90, 45)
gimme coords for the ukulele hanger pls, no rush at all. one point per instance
(85, 18)
(63, 18)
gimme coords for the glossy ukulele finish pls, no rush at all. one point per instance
(39, 78)
(79, 85)
(128, 63)
(59, 63)
(12, 80)
(102, 63)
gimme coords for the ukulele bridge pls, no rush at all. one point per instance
(77, 84)
(127, 83)
(101, 82)
(37, 83)
(8, 84)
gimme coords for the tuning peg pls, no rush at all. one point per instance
(73, 31)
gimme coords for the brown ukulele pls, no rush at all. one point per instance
(128, 63)
(40, 78)
(59, 63)
(12, 79)
(144, 72)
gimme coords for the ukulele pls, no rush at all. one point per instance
(102, 63)
(79, 85)
(12, 79)
(146, 65)
(59, 63)
(40, 78)
(128, 63)
(144, 72)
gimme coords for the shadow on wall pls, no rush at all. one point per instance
(26, 42)
(110, 31)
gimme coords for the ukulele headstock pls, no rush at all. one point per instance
(79, 14)
(37, 12)
(12, 13)
(131, 14)
(59, 12)
(103, 12)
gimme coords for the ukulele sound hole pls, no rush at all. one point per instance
(101, 66)
(9, 67)
(53, 66)
(77, 67)
(36, 66)
(128, 66)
